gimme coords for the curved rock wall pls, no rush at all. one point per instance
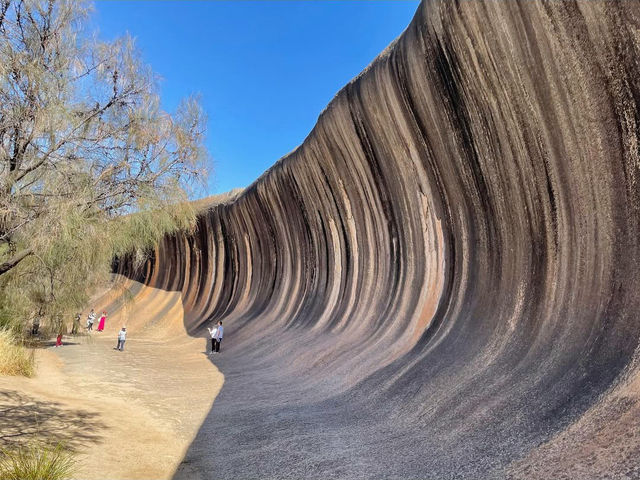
(445, 273)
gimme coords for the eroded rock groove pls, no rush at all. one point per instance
(444, 274)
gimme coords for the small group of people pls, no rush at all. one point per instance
(216, 337)
(92, 318)
(59, 325)
(122, 334)
(216, 332)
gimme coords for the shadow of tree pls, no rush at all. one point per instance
(51, 343)
(23, 419)
(41, 342)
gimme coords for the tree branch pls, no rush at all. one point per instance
(12, 262)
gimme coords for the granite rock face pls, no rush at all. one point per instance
(444, 275)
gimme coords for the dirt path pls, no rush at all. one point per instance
(129, 415)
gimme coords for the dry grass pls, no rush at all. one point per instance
(15, 359)
(36, 462)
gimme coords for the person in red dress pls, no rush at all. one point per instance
(103, 319)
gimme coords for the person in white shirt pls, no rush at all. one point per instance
(216, 337)
(213, 332)
(90, 319)
(122, 336)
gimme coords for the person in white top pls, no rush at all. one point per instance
(214, 333)
(122, 336)
(216, 337)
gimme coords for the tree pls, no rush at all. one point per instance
(90, 165)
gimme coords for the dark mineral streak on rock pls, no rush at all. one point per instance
(444, 275)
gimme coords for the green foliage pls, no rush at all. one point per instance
(15, 359)
(78, 258)
(36, 462)
(90, 166)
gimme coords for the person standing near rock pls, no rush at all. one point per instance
(122, 336)
(103, 319)
(76, 325)
(90, 319)
(213, 332)
(216, 337)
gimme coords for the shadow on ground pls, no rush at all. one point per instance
(24, 418)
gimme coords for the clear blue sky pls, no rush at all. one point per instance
(264, 70)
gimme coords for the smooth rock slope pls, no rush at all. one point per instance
(442, 280)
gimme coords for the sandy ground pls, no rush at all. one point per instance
(128, 415)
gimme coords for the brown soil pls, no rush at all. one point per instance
(128, 415)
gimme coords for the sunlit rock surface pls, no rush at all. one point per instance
(444, 276)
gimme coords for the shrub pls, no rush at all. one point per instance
(15, 359)
(36, 461)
